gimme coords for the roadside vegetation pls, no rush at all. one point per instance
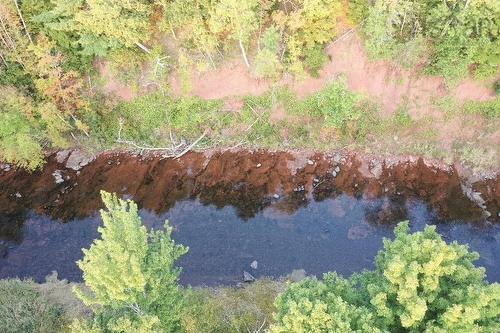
(53, 55)
(130, 284)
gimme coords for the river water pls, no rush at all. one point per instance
(319, 215)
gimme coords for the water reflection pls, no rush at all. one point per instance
(342, 233)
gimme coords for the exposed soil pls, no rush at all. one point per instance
(246, 180)
(112, 85)
(382, 80)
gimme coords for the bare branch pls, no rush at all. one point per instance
(192, 145)
(22, 21)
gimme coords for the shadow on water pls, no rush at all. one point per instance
(231, 213)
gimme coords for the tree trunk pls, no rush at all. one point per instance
(244, 53)
(3, 60)
(142, 47)
(22, 21)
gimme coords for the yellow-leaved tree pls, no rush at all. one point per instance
(236, 19)
(420, 284)
(130, 275)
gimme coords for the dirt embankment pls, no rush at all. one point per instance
(247, 180)
(383, 81)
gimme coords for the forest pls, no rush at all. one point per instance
(384, 77)
(56, 55)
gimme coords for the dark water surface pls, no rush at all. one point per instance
(340, 231)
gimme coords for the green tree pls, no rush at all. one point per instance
(308, 24)
(267, 62)
(236, 19)
(420, 284)
(101, 24)
(131, 274)
(188, 20)
(20, 134)
(462, 33)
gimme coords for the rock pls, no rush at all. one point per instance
(299, 188)
(276, 196)
(334, 173)
(297, 275)
(5, 167)
(254, 264)
(337, 169)
(310, 162)
(359, 232)
(58, 176)
(78, 159)
(3, 250)
(247, 277)
(62, 155)
(376, 169)
(474, 196)
(258, 165)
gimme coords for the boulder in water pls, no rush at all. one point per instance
(247, 277)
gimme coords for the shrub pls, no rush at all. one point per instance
(340, 109)
(143, 117)
(229, 309)
(24, 310)
(488, 109)
(147, 119)
(267, 64)
(420, 284)
(314, 59)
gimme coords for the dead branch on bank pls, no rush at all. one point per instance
(175, 151)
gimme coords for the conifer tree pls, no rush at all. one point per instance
(101, 24)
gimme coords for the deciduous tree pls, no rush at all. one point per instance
(420, 284)
(237, 19)
(131, 274)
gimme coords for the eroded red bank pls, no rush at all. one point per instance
(244, 179)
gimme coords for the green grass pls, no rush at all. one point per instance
(488, 109)
(229, 309)
(23, 309)
(402, 117)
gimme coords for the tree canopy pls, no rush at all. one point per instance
(131, 274)
(420, 284)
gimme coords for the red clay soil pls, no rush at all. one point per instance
(245, 180)
(112, 86)
(382, 80)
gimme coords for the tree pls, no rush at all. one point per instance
(237, 19)
(131, 274)
(462, 33)
(13, 40)
(420, 284)
(101, 24)
(19, 130)
(267, 63)
(190, 18)
(309, 23)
